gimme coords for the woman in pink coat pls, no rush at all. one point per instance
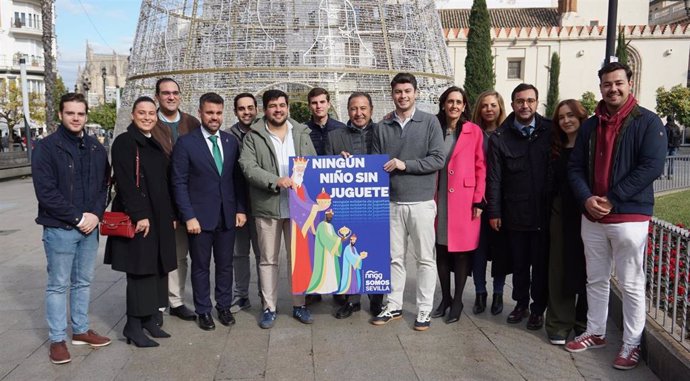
(459, 198)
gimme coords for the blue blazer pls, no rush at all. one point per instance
(198, 188)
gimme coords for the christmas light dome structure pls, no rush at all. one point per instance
(250, 46)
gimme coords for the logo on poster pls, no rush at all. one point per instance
(374, 282)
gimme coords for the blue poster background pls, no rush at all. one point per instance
(355, 190)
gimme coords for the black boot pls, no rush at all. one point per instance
(496, 304)
(455, 310)
(149, 324)
(133, 332)
(479, 303)
(440, 311)
(158, 318)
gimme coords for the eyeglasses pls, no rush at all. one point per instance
(166, 93)
(522, 102)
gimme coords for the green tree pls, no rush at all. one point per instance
(58, 92)
(48, 61)
(589, 102)
(674, 102)
(105, 115)
(11, 110)
(622, 47)
(552, 94)
(479, 67)
(299, 111)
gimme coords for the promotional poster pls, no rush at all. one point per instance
(339, 216)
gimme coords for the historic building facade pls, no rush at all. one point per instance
(525, 38)
(108, 69)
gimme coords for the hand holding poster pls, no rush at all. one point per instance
(339, 215)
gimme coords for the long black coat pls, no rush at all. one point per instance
(567, 214)
(154, 254)
(516, 186)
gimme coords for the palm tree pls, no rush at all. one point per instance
(48, 57)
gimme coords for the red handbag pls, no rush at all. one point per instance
(118, 224)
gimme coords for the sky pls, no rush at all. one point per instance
(110, 25)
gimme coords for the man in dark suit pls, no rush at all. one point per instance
(516, 188)
(210, 196)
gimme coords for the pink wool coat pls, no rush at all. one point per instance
(466, 183)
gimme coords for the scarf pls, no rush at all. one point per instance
(607, 131)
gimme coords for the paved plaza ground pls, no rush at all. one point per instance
(478, 347)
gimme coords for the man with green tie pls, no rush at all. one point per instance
(210, 196)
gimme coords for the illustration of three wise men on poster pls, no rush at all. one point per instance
(325, 259)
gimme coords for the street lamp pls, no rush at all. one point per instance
(103, 74)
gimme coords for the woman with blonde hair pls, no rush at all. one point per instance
(489, 113)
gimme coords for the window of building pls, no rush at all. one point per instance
(515, 69)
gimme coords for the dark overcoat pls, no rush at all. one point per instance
(155, 253)
(566, 215)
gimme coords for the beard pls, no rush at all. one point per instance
(298, 178)
(277, 121)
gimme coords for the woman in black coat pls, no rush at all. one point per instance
(567, 309)
(150, 255)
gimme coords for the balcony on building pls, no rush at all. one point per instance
(19, 27)
(10, 63)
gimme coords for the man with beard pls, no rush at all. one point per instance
(519, 153)
(245, 236)
(210, 195)
(273, 139)
(355, 139)
(173, 123)
(351, 280)
(618, 154)
(327, 249)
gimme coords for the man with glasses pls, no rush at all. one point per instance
(518, 159)
(173, 123)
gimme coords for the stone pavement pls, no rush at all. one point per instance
(478, 347)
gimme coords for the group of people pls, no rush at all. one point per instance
(554, 201)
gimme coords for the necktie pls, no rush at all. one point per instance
(525, 130)
(217, 157)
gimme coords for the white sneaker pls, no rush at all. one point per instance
(423, 321)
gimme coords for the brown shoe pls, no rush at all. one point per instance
(91, 338)
(59, 353)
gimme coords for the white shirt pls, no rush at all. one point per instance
(209, 143)
(284, 149)
(402, 123)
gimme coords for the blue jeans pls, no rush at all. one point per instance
(71, 258)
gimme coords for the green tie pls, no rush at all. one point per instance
(217, 157)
